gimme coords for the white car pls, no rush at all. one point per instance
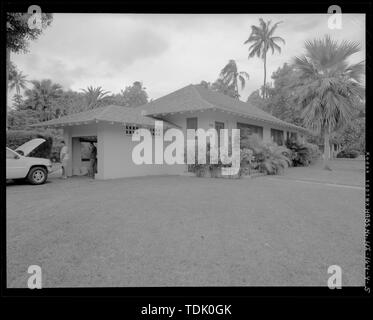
(20, 166)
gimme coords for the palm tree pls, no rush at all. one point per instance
(94, 96)
(17, 81)
(329, 87)
(262, 40)
(230, 77)
(42, 96)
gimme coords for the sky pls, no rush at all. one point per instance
(167, 51)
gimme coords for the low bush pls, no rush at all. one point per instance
(15, 138)
(302, 154)
(348, 154)
(267, 157)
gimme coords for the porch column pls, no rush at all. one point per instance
(76, 156)
(100, 153)
(267, 134)
(68, 142)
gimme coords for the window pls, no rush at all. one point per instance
(277, 136)
(191, 123)
(291, 136)
(251, 128)
(10, 154)
(218, 127)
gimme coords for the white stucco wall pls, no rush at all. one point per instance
(114, 147)
(117, 156)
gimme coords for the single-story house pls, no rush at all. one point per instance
(190, 107)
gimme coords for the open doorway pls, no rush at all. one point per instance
(83, 154)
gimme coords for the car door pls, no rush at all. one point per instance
(16, 165)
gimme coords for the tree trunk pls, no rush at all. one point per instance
(265, 75)
(7, 86)
(326, 149)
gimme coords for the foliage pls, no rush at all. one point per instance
(328, 87)
(12, 69)
(262, 39)
(17, 81)
(18, 31)
(351, 136)
(94, 97)
(302, 154)
(247, 156)
(231, 77)
(41, 97)
(280, 101)
(135, 95)
(273, 159)
(348, 153)
(21, 119)
(214, 170)
(17, 102)
(68, 102)
(269, 158)
(220, 86)
(15, 138)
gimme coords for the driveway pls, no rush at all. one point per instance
(188, 231)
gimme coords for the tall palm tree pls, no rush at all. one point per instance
(94, 96)
(42, 96)
(329, 87)
(230, 76)
(17, 81)
(262, 39)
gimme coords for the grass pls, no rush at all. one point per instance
(186, 231)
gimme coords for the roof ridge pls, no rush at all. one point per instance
(200, 97)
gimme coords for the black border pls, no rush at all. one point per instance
(239, 295)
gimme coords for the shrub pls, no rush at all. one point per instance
(348, 154)
(15, 138)
(274, 159)
(267, 157)
(302, 154)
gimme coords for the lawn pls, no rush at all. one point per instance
(187, 231)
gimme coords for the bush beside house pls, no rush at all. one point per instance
(352, 154)
(264, 158)
(16, 138)
(302, 154)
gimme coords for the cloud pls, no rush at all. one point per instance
(166, 51)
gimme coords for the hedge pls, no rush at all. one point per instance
(15, 138)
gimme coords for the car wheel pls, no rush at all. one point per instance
(37, 175)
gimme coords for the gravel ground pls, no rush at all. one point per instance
(187, 231)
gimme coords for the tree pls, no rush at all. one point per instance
(42, 96)
(262, 39)
(220, 86)
(94, 97)
(18, 101)
(18, 81)
(205, 84)
(230, 77)
(329, 87)
(68, 102)
(135, 95)
(255, 99)
(18, 36)
(280, 100)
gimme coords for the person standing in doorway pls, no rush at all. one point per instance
(64, 157)
(93, 161)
